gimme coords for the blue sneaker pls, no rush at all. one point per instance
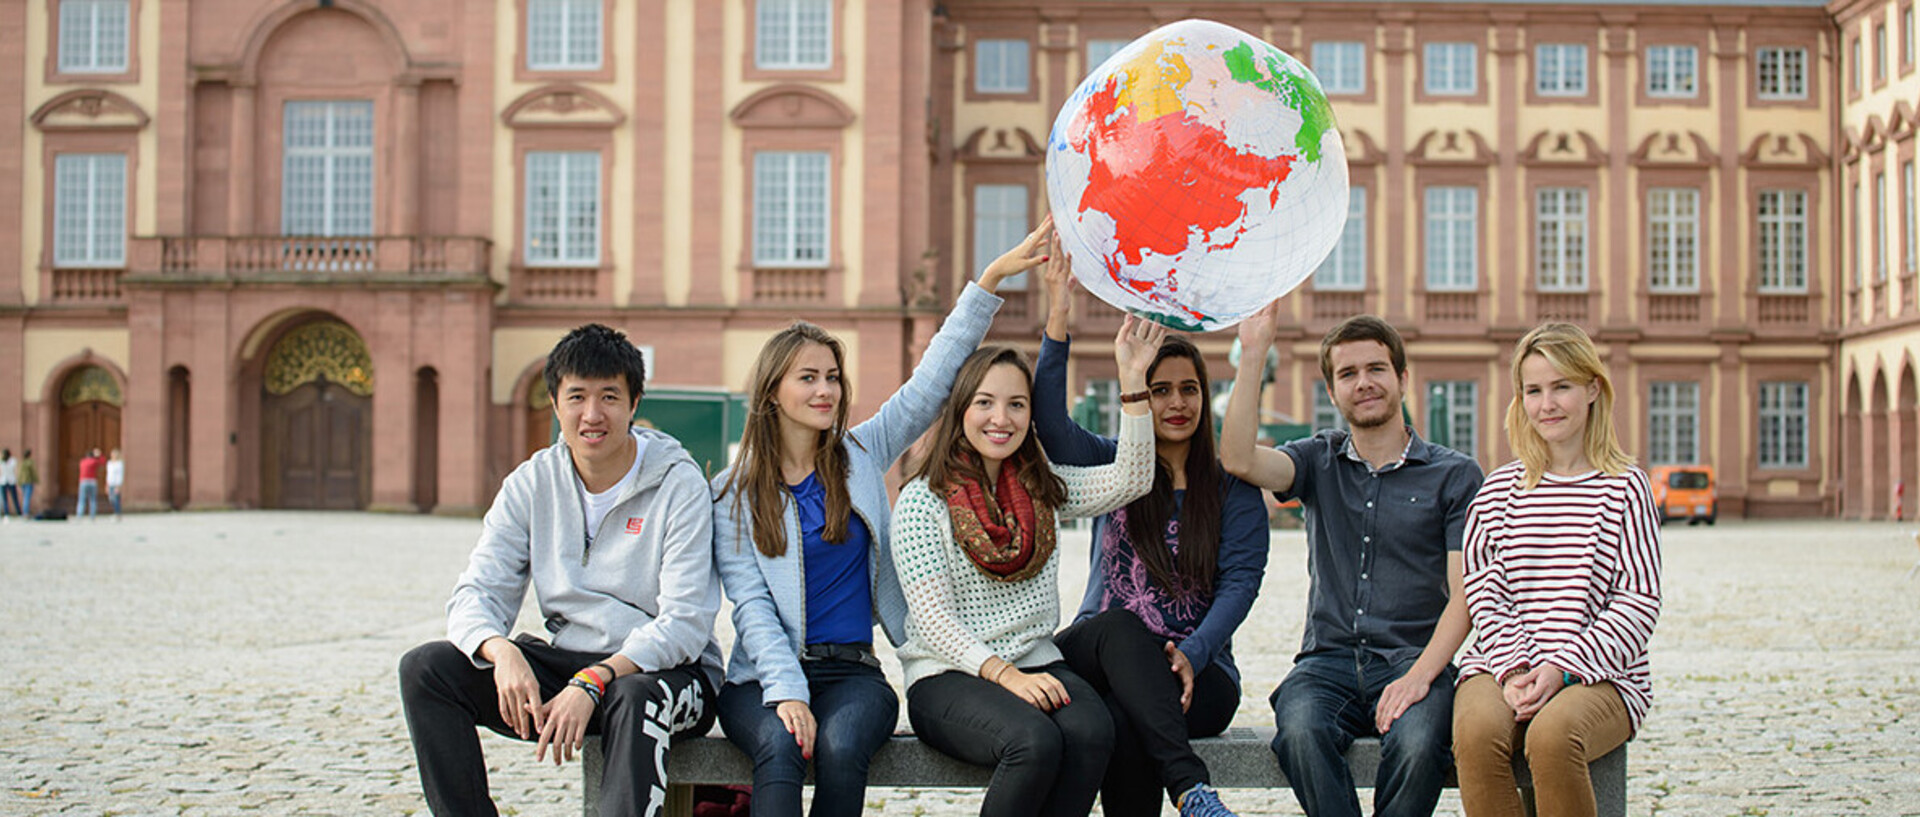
(1202, 801)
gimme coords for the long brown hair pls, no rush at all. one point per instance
(756, 478)
(950, 459)
(1191, 572)
(1574, 356)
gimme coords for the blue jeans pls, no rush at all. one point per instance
(89, 499)
(854, 709)
(1327, 701)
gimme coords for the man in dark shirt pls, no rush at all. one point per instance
(1385, 512)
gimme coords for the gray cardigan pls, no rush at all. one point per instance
(770, 593)
(646, 590)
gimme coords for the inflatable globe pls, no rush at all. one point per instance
(1197, 175)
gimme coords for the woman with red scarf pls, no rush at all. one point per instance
(973, 539)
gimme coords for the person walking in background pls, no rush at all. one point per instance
(9, 485)
(1563, 585)
(116, 477)
(29, 477)
(90, 467)
(1174, 573)
(801, 539)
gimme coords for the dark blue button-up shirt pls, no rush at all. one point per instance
(1377, 541)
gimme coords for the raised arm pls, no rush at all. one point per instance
(1097, 490)
(1240, 453)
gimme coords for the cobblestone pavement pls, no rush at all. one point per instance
(243, 663)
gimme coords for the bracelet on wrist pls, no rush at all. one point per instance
(593, 693)
(1135, 396)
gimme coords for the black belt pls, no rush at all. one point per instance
(859, 653)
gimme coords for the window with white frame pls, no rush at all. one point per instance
(1460, 400)
(1781, 73)
(89, 210)
(1673, 423)
(1907, 216)
(1783, 240)
(1673, 239)
(793, 34)
(1560, 238)
(1880, 226)
(563, 208)
(1880, 52)
(790, 209)
(1452, 238)
(563, 35)
(999, 224)
(1560, 69)
(1341, 66)
(93, 36)
(326, 185)
(1450, 69)
(1099, 50)
(1346, 267)
(1783, 425)
(1906, 36)
(1855, 246)
(1000, 67)
(1325, 414)
(1672, 70)
(1853, 66)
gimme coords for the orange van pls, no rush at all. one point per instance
(1685, 492)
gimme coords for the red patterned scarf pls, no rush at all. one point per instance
(1009, 540)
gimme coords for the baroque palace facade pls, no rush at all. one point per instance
(311, 254)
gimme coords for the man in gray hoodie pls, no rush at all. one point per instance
(613, 528)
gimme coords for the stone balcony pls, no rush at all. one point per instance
(307, 259)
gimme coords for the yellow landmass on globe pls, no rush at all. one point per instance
(1162, 97)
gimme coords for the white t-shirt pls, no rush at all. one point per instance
(9, 471)
(116, 473)
(597, 505)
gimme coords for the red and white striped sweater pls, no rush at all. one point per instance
(1568, 574)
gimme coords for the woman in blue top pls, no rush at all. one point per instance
(1174, 573)
(800, 530)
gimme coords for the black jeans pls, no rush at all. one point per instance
(1127, 663)
(445, 697)
(1046, 763)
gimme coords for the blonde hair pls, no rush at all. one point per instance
(1574, 356)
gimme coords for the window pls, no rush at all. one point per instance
(1880, 52)
(1671, 70)
(1341, 66)
(89, 210)
(790, 209)
(1000, 67)
(1783, 425)
(563, 208)
(1099, 50)
(1102, 402)
(1560, 220)
(999, 224)
(1854, 244)
(1907, 216)
(1906, 36)
(1880, 227)
(93, 36)
(1560, 69)
(1782, 73)
(1452, 230)
(1456, 406)
(1673, 422)
(793, 34)
(1449, 69)
(1325, 414)
(1853, 66)
(1783, 240)
(1346, 267)
(563, 35)
(1673, 239)
(326, 186)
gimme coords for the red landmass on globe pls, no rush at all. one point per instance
(1163, 176)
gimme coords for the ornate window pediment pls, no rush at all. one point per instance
(563, 106)
(791, 106)
(89, 109)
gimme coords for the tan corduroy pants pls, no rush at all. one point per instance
(1579, 724)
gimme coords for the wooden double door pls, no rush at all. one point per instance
(317, 448)
(84, 427)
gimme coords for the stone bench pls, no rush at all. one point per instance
(1238, 759)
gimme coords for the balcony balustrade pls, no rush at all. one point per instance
(308, 258)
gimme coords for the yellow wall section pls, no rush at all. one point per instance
(853, 196)
(513, 351)
(676, 168)
(506, 199)
(44, 349)
(740, 347)
(145, 195)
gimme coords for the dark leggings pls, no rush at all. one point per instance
(1044, 763)
(1127, 663)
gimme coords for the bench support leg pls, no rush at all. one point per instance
(679, 800)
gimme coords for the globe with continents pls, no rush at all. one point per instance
(1197, 175)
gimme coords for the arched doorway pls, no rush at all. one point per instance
(316, 417)
(89, 418)
(538, 412)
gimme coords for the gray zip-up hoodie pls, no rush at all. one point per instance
(646, 589)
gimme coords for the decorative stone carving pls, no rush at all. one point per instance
(89, 109)
(1452, 147)
(90, 384)
(563, 106)
(1562, 148)
(791, 106)
(1675, 149)
(325, 349)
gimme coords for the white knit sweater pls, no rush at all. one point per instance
(957, 615)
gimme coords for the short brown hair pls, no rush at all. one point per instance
(1363, 327)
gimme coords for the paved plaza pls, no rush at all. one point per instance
(243, 663)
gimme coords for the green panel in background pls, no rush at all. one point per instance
(708, 422)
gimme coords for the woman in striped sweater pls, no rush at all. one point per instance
(973, 535)
(1563, 585)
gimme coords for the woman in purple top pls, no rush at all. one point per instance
(1174, 573)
